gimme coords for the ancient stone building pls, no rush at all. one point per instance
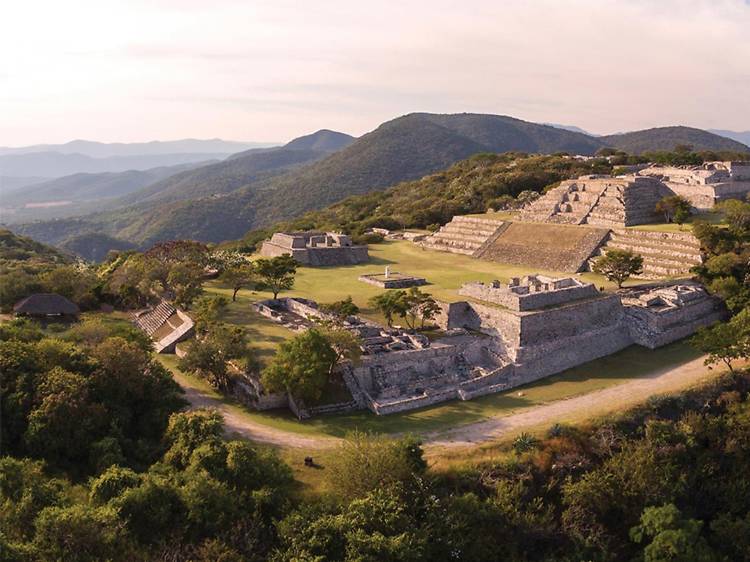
(503, 336)
(166, 325)
(601, 201)
(704, 185)
(315, 248)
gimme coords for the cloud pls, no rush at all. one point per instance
(133, 70)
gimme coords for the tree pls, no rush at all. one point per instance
(737, 214)
(390, 303)
(725, 342)
(301, 366)
(276, 274)
(366, 462)
(345, 343)
(207, 311)
(342, 308)
(185, 280)
(673, 205)
(674, 538)
(618, 265)
(209, 355)
(418, 306)
(238, 276)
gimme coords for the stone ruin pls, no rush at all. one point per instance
(658, 315)
(607, 201)
(704, 185)
(529, 292)
(504, 336)
(165, 324)
(315, 248)
(392, 279)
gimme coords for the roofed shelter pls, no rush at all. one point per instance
(46, 305)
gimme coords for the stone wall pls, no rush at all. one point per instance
(535, 299)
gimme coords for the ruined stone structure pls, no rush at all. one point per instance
(504, 336)
(166, 325)
(599, 200)
(315, 248)
(665, 254)
(392, 280)
(660, 315)
(464, 235)
(704, 185)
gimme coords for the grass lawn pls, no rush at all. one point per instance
(444, 272)
(713, 217)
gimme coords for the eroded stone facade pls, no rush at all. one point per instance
(315, 248)
(504, 336)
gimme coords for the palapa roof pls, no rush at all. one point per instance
(45, 304)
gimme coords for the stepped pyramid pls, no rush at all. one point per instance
(665, 254)
(600, 201)
(464, 235)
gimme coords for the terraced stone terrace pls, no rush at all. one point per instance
(464, 235)
(665, 254)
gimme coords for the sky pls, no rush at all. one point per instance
(269, 71)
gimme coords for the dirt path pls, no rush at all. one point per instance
(240, 426)
(588, 405)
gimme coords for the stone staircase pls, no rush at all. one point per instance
(463, 235)
(665, 254)
(598, 201)
(151, 320)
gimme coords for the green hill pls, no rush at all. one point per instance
(15, 248)
(667, 138)
(223, 201)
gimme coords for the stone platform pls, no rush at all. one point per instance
(392, 280)
(553, 247)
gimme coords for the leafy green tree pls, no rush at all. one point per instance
(189, 430)
(673, 537)
(276, 274)
(737, 215)
(672, 205)
(725, 342)
(301, 366)
(366, 462)
(618, 265)
(92, 533)
(390, 303)
(207, 311)
(420, 307)
(239, 276)
(186, 282)
(208, 356)
(342, 308)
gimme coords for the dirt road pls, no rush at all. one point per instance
(589, 405)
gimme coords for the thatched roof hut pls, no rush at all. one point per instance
(45, 304)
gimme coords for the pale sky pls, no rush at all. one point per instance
(253, 70)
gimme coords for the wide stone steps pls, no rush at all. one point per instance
(463, 235)
(664, 254)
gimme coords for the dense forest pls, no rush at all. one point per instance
(99, 464)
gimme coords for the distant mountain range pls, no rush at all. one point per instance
(739, 136)
(78, 194)
(261, 186)
(107, 150)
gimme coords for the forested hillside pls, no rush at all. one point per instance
(225, 200)
(667, 138)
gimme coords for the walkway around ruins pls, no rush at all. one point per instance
(578, 408)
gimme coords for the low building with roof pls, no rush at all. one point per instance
(46, 305)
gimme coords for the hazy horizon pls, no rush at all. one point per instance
(264, 71)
